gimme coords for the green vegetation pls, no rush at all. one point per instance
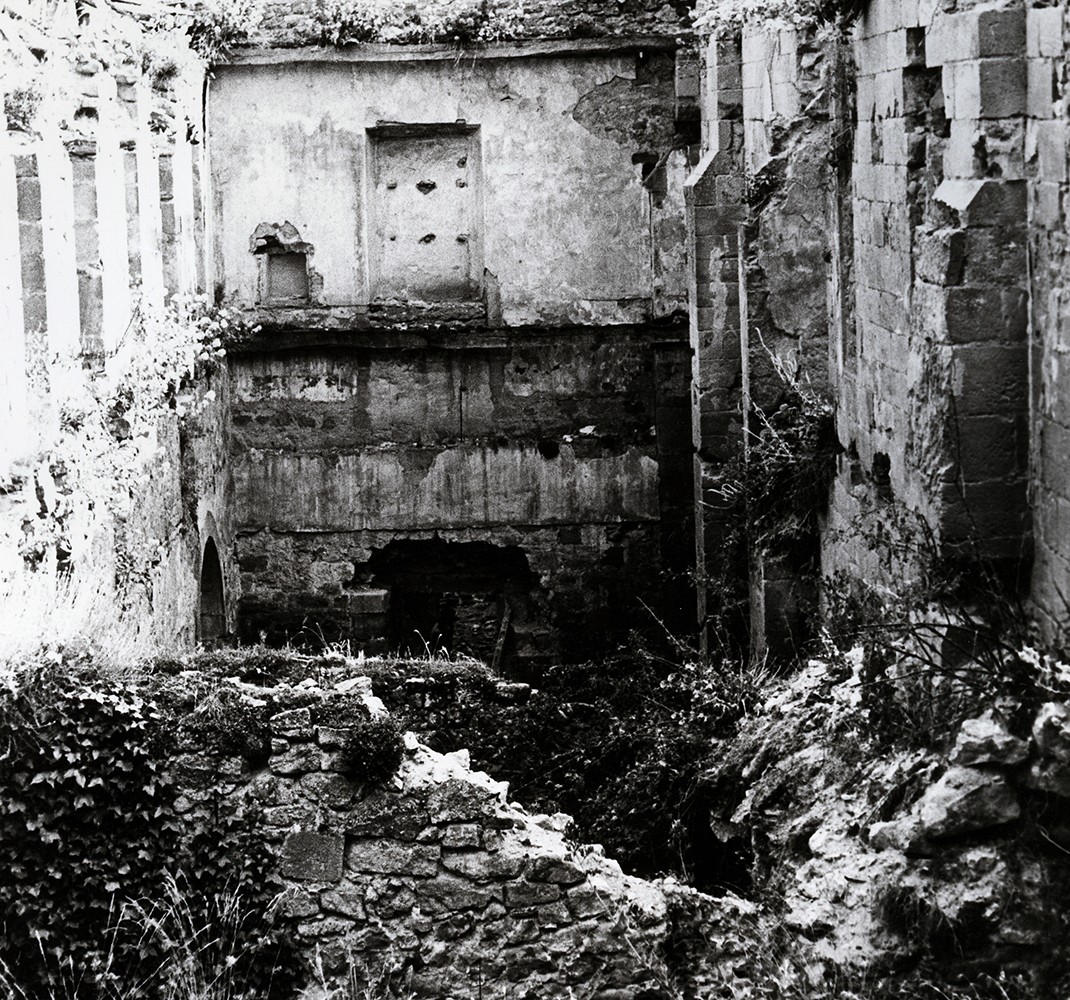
(340, 22)
(714, 15)
(94, 857)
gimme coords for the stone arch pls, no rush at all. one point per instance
(211, 606)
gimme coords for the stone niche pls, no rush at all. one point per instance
(425, 213)
(283, 259)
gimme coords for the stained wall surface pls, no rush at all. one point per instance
(568, 232)
(938, 229)
(475, 430)
(1047, 143)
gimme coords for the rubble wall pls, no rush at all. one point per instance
(436, 878)
(565, 456)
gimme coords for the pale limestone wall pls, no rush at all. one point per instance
(559, 224)
(932, 392)
(101, 207)
(921, 213)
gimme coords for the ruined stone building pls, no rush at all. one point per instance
(465, 419)
(511, 298)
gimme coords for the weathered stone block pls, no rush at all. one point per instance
(1001, 32)
(555, 870)
(295, 724)
(1044, 32)
(525, 894)
(371, 601)
(299, 903)
(387, 814)
(584, 901)
(448, 892)
(991, 446)
(299, 759)
(330, 738)
(989, 378)
(984, 202)
(325, 927)
(313, 857)
(1002, 87)
(347, 900)
(553, 914)
(941, 257)
(387, 857)
(951, 39)
(329, 789)
(985, 740)
(1041, 88)
(461, 835)
(964, 800)
(481, 867)
(985, 313)
(459, 802)
(522, 932)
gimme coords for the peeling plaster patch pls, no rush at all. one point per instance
(635, 114)
(270, 237)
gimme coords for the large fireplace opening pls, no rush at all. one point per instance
(459, 598)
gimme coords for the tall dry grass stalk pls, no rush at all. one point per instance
(200, 949)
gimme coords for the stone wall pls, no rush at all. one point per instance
(1047, 139)
(438, 879)
(758, 222)
(102, 216)
(932, 403)
(938, 120)
(477, 394)
(548, 472)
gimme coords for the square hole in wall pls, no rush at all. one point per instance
(286, 277)
(425, 213)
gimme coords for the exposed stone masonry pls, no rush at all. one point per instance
(439, 876)
(944, 123)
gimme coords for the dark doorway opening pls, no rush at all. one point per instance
(211, 617)
(470, 598)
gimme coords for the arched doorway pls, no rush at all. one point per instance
(211, 617)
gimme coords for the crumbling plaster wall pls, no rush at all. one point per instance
(544, 412)
(567, 224)
(102, 215)
(1047, 144)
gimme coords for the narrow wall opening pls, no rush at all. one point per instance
(211, 617)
